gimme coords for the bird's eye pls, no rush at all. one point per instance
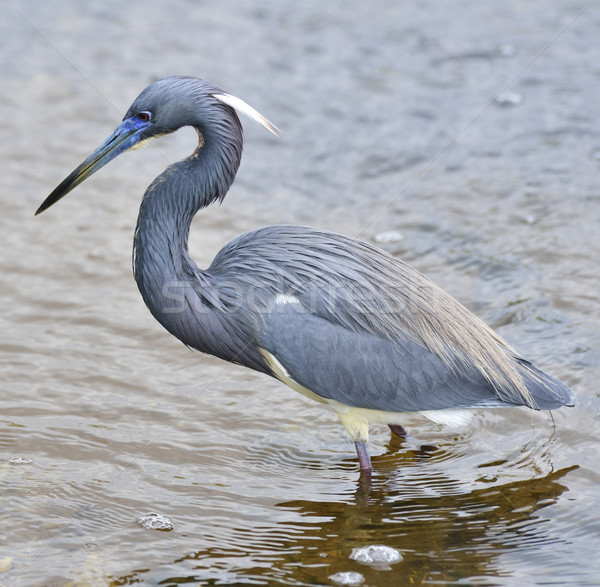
(143, 116)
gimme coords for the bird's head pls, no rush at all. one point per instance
(163, 107)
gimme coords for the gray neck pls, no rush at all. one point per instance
(160, 258)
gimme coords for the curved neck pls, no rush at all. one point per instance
(169, 205)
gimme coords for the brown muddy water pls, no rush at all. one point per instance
(463, 137)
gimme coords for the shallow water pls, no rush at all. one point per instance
(470, 134)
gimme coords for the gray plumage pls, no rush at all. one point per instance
(321, 311)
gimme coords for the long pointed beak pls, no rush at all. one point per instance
(126, 137)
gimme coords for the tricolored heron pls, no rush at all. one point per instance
(336, 319)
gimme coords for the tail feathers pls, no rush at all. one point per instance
(547, 393)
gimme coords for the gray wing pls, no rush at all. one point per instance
(365, 371)
(366, 329)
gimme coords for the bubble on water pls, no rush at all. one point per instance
(20, 461)
(347, 578)
(154, 521)
(377, 555)
(390, 236)
(529, 218)
(506, 50)
(508, 99)
(487, 478)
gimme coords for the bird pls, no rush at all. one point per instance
(334, 318)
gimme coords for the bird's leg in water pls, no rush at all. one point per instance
(364, 460)
(397, 430)
(358, 429)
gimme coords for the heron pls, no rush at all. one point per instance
(336, 319)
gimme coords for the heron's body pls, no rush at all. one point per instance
(332, 317)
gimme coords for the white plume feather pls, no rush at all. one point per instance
(241, 106)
